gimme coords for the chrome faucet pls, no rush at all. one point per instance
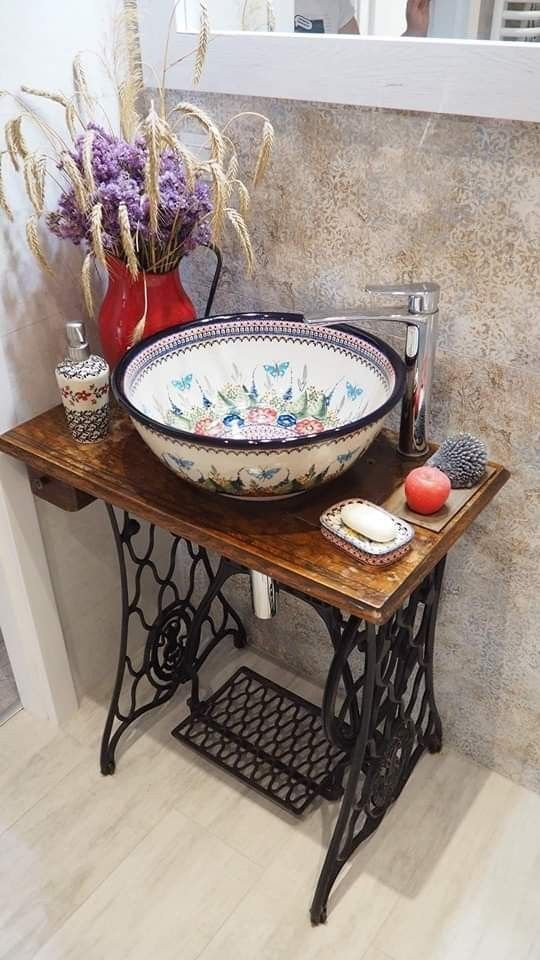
(420, 314)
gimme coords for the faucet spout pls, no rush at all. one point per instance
(420, 314)
(359, 315)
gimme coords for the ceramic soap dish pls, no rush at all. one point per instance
(366, 551)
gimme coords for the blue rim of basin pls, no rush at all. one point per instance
(331, 433)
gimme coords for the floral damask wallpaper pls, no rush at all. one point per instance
(357, 195)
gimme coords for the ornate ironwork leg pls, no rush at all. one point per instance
(172, 649)
(338, 851)
(379, 704)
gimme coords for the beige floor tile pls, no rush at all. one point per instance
(213, 799)
(20, 738)
(166, 900)
(76, 835)
(365, 894)
(272, 922)
(480, 899)
(251, 824)
(34, 757)
(83, 825)
(534, 952)
(86, 725)
(171, 857)
(392, 866)
(24, 783)
(373, 953)
(505, 899)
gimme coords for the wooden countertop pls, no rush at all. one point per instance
(282, 538)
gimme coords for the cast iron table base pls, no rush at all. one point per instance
(378, 713)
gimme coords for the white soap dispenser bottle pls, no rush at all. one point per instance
(83, 381)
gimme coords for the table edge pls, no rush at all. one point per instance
(79, 479)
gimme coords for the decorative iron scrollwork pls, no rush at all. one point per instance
(379, 695)
(166, 646)
(378, 713)
(387, 772)
(172, 620)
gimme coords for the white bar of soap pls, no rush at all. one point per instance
(370, 522)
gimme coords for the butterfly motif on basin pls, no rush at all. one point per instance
(353, 392)
(264, 473)
(184, 383)
(277, 369)
(171, 460)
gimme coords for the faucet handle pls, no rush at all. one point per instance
(421, 297)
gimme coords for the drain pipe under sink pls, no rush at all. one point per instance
(264, 594)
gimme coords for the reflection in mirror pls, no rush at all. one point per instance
(466, 19)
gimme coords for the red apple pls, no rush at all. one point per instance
(427, 489)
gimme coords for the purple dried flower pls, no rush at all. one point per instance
(118, 168)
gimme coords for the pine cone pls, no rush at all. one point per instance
(463, 459)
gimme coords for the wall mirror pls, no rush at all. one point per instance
(475, 57)
(460, 19)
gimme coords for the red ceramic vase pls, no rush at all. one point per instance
(167, 304)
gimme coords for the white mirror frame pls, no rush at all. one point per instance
(470, 77)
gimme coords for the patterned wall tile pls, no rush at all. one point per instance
(357, 195)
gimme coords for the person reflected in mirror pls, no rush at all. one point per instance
(417, 14)
(325, 16)
(338, 16)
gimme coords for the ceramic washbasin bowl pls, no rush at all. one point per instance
(259, 405)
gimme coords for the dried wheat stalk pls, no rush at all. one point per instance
(34, 180)
(40, 173)
(86, 283)
(4, 205)
(267, 142)
(127, 241)
(265, 152)
(153, 140)
(15, 143)
(71, 119)
(242, 231)
(217, 142)
(11, 148)
(220, 196)
(80, 85)
(46, 95)
(30, 114)
(96, 230)
(32, 238)
(234, 168)
(73, 174)
(18, 139)
(204, 39)
(138, 332)
(244, 197)
(87, 161)
(28, 182)
(189, 161)
(128, 68)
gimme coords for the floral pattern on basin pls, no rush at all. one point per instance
(272, 402)
(259, 482)
(260, 405)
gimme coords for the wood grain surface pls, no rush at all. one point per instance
(282, 538)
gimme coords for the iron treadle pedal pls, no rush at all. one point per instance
(269, 738)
